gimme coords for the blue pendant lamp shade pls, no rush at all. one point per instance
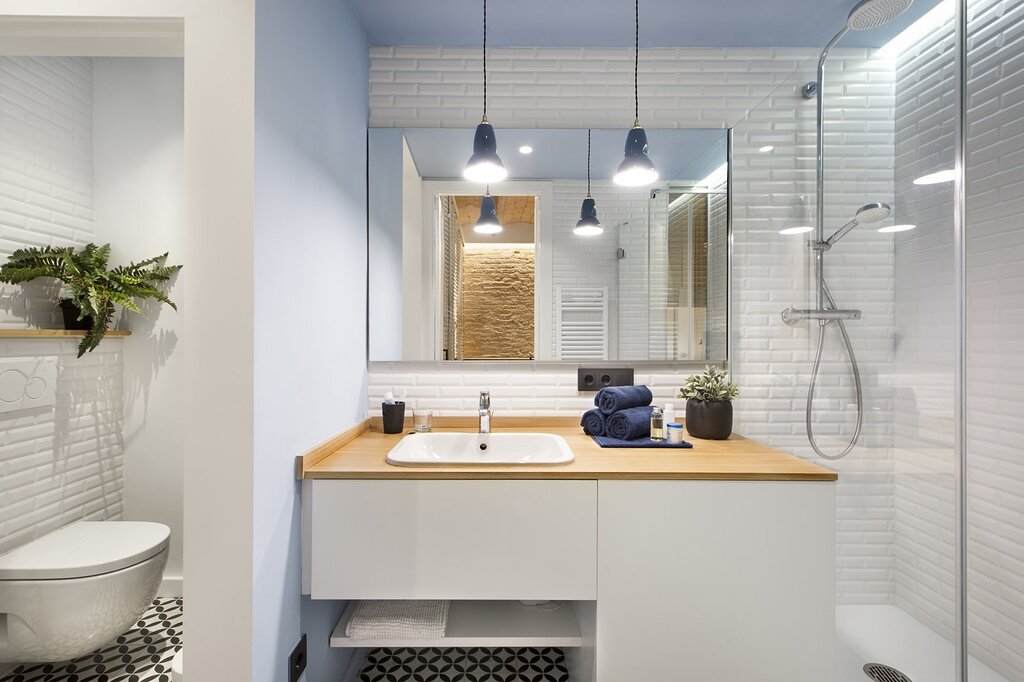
(488, 222)
(636, 169)
(485, 165)
(588, 224)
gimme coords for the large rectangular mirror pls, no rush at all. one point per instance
(651, 286)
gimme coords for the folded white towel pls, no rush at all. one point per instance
(399, 619)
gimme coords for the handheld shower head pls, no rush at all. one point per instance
(872, 213)
(869, 14)
(867, 214)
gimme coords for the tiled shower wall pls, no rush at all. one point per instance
(772, 361)
(925, 541)
(995, 328)
(924, 361)
(63, 463)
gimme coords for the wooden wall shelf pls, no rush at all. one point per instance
(51, 333)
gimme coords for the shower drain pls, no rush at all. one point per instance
(884, 673)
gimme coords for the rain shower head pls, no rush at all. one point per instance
(869, 14)
(867, 214)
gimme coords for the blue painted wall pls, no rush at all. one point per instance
(310, 290)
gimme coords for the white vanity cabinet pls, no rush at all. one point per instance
(451, 539)
(718, 581)
(711, 580)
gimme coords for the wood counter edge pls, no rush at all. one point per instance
(312, 457)
(307, 461)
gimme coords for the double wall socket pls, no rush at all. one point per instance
(594, 379)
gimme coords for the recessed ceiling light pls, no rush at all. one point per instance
(896, 228)
(936, 178)
(797, 230)
(526, 149)
(766, 148)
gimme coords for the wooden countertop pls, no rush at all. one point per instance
(361, 452)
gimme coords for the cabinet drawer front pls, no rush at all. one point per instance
(454, 540)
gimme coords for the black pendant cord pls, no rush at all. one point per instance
(588, 163)
(485, 61)
(636, 64)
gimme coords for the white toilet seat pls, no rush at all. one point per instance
(85, 549)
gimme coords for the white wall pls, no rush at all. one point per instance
(310, 260)
(63, 463)
(138, 142)
(218, 311)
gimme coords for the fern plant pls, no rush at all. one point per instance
(90, 285)
(712, 385)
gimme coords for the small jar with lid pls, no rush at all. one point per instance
(674, 433)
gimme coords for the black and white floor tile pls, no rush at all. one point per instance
(143, 654)
(464, 665)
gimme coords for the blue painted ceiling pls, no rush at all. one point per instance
(679, 154)
(609, 23)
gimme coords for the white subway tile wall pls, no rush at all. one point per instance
(534, 389)
(430, 87)
(923, 367)
(64, 463)
(995, 328)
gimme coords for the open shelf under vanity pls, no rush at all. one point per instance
(484, 624)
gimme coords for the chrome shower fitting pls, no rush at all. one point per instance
(866, 15)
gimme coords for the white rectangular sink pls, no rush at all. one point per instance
(426, 449)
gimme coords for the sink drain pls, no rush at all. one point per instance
(884, 673)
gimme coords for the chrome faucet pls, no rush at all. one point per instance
(485, 412)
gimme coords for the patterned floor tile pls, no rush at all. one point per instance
(143, 654)
(464, 665)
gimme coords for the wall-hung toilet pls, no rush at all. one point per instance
(72, 591)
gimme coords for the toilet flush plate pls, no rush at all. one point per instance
(27, 383)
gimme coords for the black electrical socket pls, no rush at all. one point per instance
(594, 379)
(297, 661)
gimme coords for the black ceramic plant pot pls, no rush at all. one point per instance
(711, 420)
(71, 313)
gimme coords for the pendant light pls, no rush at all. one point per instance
(488, 222)
(636, 169)
(588, 225)
(485, 165)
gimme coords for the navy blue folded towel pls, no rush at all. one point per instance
(616, 398)
(594, 423)
(630, 424)
(606, 442)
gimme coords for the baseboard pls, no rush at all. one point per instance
(170, 587)
(355, 662)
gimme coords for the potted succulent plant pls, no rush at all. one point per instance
(92, 290)
(709, 404)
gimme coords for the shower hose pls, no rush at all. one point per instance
(814, 380)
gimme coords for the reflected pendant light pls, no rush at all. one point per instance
(488, 222)
(636, 169)
(485, 165)
(588, 224)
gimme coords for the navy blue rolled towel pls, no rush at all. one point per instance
(615, 398)
(631, 423)
(594, 423)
